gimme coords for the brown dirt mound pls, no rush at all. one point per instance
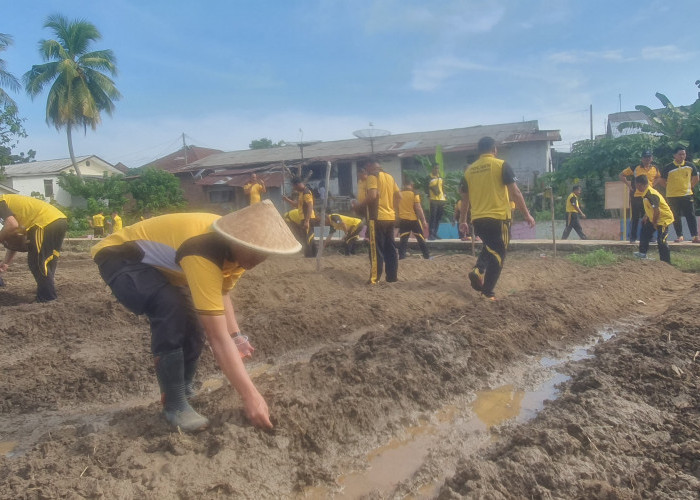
(343, 366)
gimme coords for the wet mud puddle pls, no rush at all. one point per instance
(460, 426)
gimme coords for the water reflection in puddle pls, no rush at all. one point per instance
(399, 459)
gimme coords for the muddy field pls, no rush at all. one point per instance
(417, 389)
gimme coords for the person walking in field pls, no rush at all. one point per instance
(178, 270)
(381, 203)
(680, 177)
(411, 221)
(304, 217)
(657, 218)
(646, 167)
(437, 202)
(488, 187)
(254, 188)
(351, 227)
(38, 228)
(573, 212)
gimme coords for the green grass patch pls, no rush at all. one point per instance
(600, 257)
(688, 262)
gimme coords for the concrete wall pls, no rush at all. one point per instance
(27, 185)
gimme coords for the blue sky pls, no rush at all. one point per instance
(227, 72)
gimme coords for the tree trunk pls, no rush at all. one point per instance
(70, 151)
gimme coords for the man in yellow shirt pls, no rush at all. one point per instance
(351, 227)
(45, 227)
(646, 167)
(489, 186)
(116, 222)
(657, 217)
(304, 228)
(680, 177)
(573, 212)
(178, 270)
(382, 198)
(254, 188)
(98, 224)
(411, 220)
(437, 202)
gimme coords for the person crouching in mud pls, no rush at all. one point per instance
(178, 270)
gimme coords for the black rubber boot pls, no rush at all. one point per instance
(170, 368)
(190, 372)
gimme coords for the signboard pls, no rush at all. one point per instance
(616, 196)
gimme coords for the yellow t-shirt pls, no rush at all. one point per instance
(652, 199)
(386, 187)
(186, 249)
(572, 203)
(652, 173)
(98, 220)
(116, 223)
(255, 192)
(337, 221)
(486, 180)
(306, 198)
(407, 210)
(435, 189)
(678, 179)
(28, 211)
(295, 216)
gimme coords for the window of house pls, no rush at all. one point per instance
(221, 196)
(48, 188)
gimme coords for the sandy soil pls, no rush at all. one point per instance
(350, 372)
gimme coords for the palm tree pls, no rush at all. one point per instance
(6, 79)
(80, 90)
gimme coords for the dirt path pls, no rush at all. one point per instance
(348, 369)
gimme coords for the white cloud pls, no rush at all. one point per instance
(452, 18)
(664, 53)
(430, 75)
(585, 56)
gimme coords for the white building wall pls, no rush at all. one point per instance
(27, 185)
(527, 159)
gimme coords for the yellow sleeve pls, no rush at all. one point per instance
(627, 172)
(206, 283)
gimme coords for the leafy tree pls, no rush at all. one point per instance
(157, 191)
(11, 129)
(7, 79)
(80, 90)
(264, 143)
(107, 192)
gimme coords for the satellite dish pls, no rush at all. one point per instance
(370, 134)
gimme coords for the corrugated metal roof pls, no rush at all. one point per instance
(235, 178)
(390, 145)
(42, 167)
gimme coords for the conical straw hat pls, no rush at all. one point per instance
(259, 227)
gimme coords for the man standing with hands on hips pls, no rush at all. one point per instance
(488, 187)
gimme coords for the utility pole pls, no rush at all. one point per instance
(591, 113)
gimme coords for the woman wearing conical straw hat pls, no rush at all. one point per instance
(147, 265)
